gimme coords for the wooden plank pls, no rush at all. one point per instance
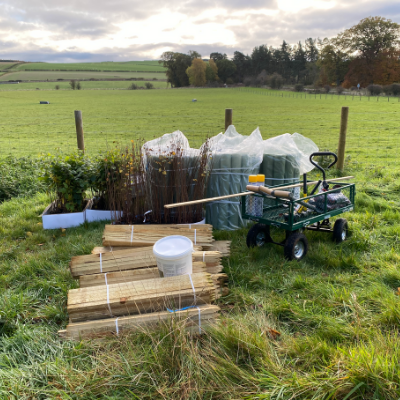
(196, 318)
(128, 260)
(138, 275)
(151, 295)
(147, 235)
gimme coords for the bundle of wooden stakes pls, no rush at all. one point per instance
(120, 287)
(147, 235)
(147, 296)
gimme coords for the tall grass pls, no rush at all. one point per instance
(337, 313)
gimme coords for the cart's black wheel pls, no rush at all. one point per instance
(340, 230)
(296, 246)
(258, 235)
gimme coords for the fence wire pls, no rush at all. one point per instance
(372, 137)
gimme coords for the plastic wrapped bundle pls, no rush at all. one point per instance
(235, 157)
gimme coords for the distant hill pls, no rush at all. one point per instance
(107, 66)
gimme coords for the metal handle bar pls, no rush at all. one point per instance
(323, 153)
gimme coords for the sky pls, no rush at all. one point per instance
(124, 30)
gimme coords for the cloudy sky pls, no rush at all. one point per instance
(122, 30)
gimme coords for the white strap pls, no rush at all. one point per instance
(190, 226)
(111, 248)
(195, 240)
(194, 291)
(204, 256)
(116, 326)
(199, 319)
(101, 264)
(108, 295)
(132, 235)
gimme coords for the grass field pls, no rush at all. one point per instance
(337, 310)
(124, 115)
(54, 75)
(150, 66)
(64, 85)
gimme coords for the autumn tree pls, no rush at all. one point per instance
(176, 65)
(333, 62)
(373, 41)
(211, 71)
(197, 72)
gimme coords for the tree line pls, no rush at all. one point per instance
(367, 53)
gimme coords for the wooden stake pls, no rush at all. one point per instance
(79, 130)
(228, 117)
(342, 138)
(188, 203)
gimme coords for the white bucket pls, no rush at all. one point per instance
(174, 255)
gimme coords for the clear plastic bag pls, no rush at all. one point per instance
(234, 158)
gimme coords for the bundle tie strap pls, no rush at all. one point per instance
(108, 295)
(204, 256)
(132, 235)
(116, 326)
(101, 264)
(195, 236)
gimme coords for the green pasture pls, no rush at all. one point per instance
(64, 85)
(129, 66)
(337, 311)
(54, 75)
(119, 116)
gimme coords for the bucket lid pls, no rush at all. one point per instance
(172, 247)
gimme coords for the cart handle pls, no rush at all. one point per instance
(323, 153)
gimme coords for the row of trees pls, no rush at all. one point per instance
(367, 53)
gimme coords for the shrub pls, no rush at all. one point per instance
(258, 82)
(374, 90)
(327, 88)
(133, 86)
(107, 167)
(396, 89)
(68, 177)
(388, 89)
(298, 87)
(275, 81)
(149, 85)
(154, 79)
(247, 81)
(20, 177)
(57, 87)
(78, 86)
(72, 83)
(339, 89)
(229, 81)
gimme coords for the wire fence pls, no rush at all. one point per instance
(373, 137)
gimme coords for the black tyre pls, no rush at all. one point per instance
(258, 235)
(296, 246)
(340, 230)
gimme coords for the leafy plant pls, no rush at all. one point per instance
(298, 87)
(107, 168)
(68, 177)
(149, 85)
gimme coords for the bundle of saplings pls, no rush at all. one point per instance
(234, 158)
(175, 173)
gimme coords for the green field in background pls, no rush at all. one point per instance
(64, 85)
(150, 66)
(53, 75)
(119, 116)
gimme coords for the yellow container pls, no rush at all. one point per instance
(261, 178)
(253, 179)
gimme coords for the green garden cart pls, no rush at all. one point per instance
(281, 209)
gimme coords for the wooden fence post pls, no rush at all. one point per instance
(228, 117)
(342, 138)
(79, 130)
